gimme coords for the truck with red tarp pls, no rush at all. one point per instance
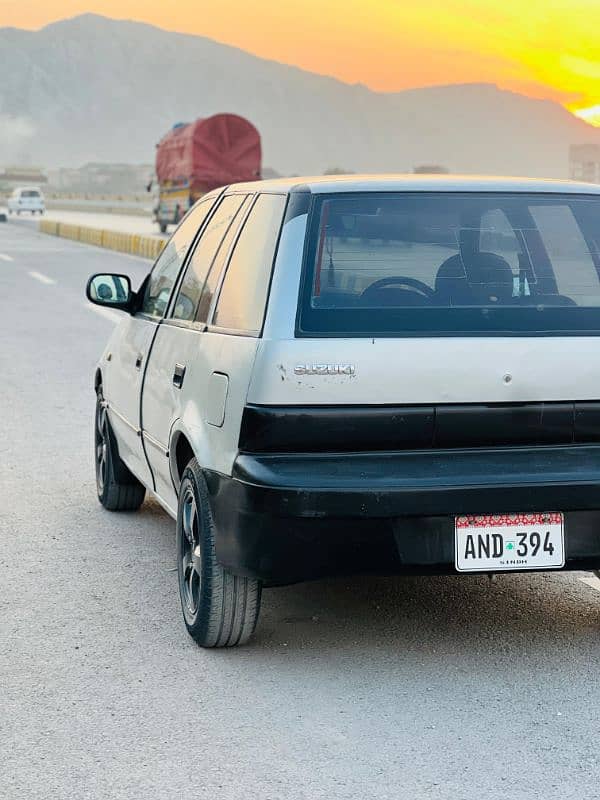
(194, 158)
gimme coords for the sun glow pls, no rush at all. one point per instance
(591, 115)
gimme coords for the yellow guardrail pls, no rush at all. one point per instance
(132, 243)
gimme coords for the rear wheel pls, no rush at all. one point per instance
(118, 489)
(219, 609)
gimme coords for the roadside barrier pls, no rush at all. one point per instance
(131, 243)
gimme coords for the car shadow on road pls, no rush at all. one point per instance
(512, 613)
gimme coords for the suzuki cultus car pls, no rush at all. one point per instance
(378, 375)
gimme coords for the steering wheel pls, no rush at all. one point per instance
(398, 280)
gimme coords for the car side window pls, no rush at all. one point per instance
(216, 269)
(203, 256)
(166, 269)
(242, 301)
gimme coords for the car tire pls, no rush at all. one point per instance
(219, 609)
(118, 489)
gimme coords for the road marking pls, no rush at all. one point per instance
(4, 257)
(104, 312)
(591, 580)
(39, 276)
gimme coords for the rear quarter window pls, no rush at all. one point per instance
(242, 300)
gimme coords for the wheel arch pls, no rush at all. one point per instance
(183, 447)
(181, 453)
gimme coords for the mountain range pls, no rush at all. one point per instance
(97, 89)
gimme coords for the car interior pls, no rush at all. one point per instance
(410, 260)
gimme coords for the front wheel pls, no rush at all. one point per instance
(219, 609)
(118, 489)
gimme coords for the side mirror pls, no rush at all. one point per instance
(110, 291)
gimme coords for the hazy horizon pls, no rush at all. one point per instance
(534, 51)
(86, 89)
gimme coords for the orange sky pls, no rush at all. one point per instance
(544, 48)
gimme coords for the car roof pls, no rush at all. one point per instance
(325, 184)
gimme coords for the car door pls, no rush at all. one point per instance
(125, 359)
(174, 375)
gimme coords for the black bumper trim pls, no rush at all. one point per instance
(425, 482)
(289, 518)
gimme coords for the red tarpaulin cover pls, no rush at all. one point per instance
(210, 152)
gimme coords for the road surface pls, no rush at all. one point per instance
(450, 688)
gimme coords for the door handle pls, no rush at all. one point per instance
(138, 360)
(178, 375)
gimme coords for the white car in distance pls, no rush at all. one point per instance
(26, 199)
(360, 374)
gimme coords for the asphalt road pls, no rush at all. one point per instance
(451, 688)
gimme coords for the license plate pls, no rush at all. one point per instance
(496, 542)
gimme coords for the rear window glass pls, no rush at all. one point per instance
(417, 263)
(30, 193)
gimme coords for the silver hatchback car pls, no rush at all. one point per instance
(364, 374)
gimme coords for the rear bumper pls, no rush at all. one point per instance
(285, 518)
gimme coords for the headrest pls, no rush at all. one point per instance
(481, 277)
(487, 268)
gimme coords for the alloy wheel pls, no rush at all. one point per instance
(190, 555)
(101, 446)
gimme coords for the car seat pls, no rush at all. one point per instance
(478, 279)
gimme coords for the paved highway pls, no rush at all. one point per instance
(449, 688)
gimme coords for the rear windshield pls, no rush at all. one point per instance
(30, 193)
(450, 263)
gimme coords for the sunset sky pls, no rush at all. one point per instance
(543, 48)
